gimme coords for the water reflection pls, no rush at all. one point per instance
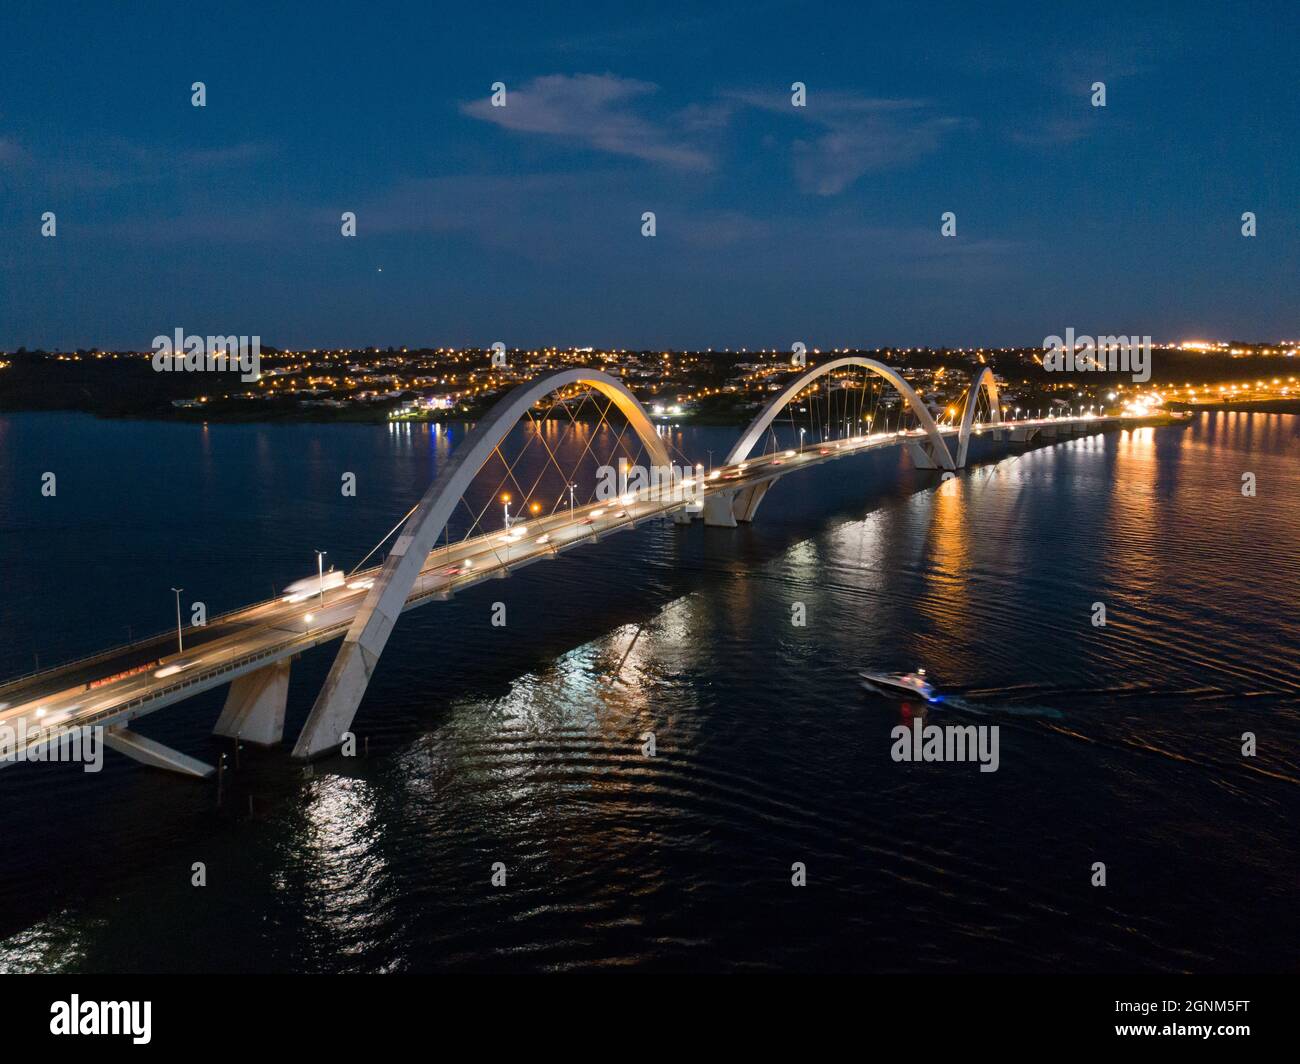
(526, 751)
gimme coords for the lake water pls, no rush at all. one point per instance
(1119, 744)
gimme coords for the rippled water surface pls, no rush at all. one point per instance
(1119, 744)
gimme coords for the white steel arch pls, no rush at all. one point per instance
(986, 381)
(726, 508)
(750, 437)
(349, 676)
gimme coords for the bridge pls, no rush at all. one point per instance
(251, 649)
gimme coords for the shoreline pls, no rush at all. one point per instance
(232, 414)
(1263, 406)
(325, 416)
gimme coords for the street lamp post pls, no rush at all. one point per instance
(320, 572)
(572, 489)
(505, 503)
(180, 640)
(801, 432)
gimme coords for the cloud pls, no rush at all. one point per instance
(1053, 132)
(280, 225)
(854, 136)
(594, 110)
(833, 161)
(845, 136)
(232, 155)
(723, 229)
(101, 164)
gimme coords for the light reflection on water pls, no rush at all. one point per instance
(515, 745)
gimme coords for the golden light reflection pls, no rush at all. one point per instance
(1124, 548)
(946, 596)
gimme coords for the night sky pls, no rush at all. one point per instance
(523, 224)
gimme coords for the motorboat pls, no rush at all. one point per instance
(900, 684)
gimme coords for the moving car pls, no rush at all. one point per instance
(302, 590)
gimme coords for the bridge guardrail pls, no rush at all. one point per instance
(421, 594)
(86, 659)
(191, 681)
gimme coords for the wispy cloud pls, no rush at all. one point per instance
(597, 111)
(111, 163)
(856, 135)
(842, 138)
(1053, 132)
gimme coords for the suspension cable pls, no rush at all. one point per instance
(399, 524)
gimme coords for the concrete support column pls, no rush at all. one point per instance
(718, 510)
(746, 504)
(152, 753)
(922, 455)
(254, 710)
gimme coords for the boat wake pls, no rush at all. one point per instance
(956, 702)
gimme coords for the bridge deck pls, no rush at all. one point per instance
(115, 687)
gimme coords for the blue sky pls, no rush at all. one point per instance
(523, 224)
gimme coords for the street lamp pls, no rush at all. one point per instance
(180, 641)
(572, 489)
(320, 571)
(801, 432)
(505, 504)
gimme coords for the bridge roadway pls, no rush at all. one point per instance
(150, 675)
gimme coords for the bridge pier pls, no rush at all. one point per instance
(726, 508)
(153, 753)
(747, 500)
(925, 455)
(718, 510)
(254, 710)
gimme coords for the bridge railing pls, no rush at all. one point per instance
(420, 592)
(118, 648)
(320, 635)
